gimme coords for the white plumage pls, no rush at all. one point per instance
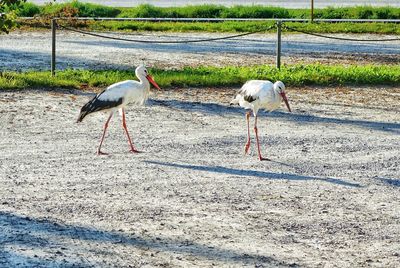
(117, 96)
(256, 95)
(130, 90)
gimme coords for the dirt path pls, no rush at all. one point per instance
(329, 198)
(32, 50)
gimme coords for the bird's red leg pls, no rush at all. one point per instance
(247, 145)
(99, 152)
(133, 150)
(258, 142)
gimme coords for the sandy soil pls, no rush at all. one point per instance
(32, 50)
(329, 198)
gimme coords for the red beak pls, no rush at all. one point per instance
(286, 101)
(151, 80)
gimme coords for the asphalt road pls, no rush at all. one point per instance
(287, 4)
(32, 50)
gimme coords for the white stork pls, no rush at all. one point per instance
(117, 96)
(260, 94)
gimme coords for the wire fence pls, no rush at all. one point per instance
(279, 25)
(226, 20)
(340, 38)
(162, 41)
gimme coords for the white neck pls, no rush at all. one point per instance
(144, 82)
(277, 95)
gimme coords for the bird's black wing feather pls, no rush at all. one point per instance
(97, 104)
(250, 98)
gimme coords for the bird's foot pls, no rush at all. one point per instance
(133, 150)
(264, 159)
(101, 153)
(246, 148)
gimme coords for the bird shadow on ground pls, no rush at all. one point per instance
(248, 45)
(222, 110)
(355, 106)
(254, 173)
(298, 48)
(25, 60)
(390, 181)
(229, 46)
(26, 232)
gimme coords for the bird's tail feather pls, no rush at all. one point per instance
(235, 101)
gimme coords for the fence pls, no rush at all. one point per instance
(278, 23)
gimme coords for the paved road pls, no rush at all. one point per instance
(31, 50)
(288, 4)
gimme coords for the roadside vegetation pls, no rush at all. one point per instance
(293, 75)
(8, 14)
(78, 9)
(234, 26)
(207, 11)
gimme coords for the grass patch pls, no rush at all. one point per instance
(347, 27)
(292, 75)
(229, 26)
(204, 11)
(78, 9)
(224, 27)
(208, 11)
(234, 26)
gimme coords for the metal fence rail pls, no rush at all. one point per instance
(278, 23)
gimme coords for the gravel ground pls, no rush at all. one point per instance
(329, 197)
(32, 50)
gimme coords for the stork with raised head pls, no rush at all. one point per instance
(116, 97)
(260, 94)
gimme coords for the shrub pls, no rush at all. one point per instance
(93, 10)
(28, 10)
(203, 11)
(332, 13)
(82, 9)
(142, 11)
(365, 13)
(387, 13)
(255, 12)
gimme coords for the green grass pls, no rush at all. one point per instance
(76, 8)
(292, 75)
(379, 28)
(229, 26)
(233, 26)
(204, 11)
(28, 10)
(209, 11)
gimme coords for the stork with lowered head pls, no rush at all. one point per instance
(260, 94)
